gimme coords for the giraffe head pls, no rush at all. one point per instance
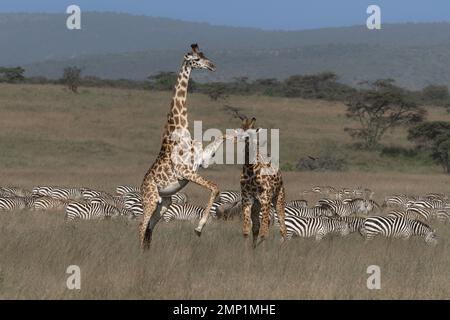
(197, 60)
(247, 127)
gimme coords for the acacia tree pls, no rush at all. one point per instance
(12, 75)
(72, 78)
(435, 137)
(382, 107)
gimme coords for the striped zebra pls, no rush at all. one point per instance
(411, 214)
(351, 207)
(443, 215)
(354, 223)
(297, 203)
(41, 191)
(436, 196)
(398, 201)
(183, 212)
(397, 228)
(421, 213)
(314, 227)
(63, 193)
(429, 204)
(14, 191)
(313, 212)
(180, 198)
(88, 194)
(229, 196)
(88, 211)
(122, 190)
(116, 201)
(368, 205)
(15, 203)
(48, 203)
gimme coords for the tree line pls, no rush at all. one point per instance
(376, 107)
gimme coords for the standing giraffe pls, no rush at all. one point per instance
(166, 176)
(259, 189)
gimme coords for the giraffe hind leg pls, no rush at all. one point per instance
(150, 204)
(280, 201)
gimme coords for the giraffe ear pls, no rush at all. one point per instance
(252, 122)
(195, 48)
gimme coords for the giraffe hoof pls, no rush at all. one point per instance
(198, 232)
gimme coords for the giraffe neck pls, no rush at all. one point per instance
(177, 117)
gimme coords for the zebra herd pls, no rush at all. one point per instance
(399, 215)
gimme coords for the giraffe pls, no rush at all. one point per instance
(167, 176)
(259, 190)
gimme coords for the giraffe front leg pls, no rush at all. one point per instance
(196, 178)
(280, 201)
(265, 210)
(150, 204)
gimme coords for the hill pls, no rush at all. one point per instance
(115, 45)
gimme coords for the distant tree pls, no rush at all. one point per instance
(12, 75)
(434, 136)
(216, 91)
(434, 93)
(72, 78)
(381, 107)
(309, 86)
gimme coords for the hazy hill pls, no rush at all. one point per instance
(126, 46)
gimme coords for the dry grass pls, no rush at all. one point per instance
(103, 137)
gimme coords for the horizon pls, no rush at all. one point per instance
(293, 15)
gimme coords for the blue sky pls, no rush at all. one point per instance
(265, 14)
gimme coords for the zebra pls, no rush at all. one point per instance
(421, 212)
(87, 194)
(313, 212)
(122, 190)
(399, 201)
(48, 203)
(436, 196)
(15, 203)
(183, 212)
(297, 203)
(88, 211)
(180, 198)
(14, 191)
(397, 228)
(313, 227)
(353, 206)
(116, 201)
(443, 215)
(354, 223)
(229, 196)
(62, 193)
(41, 191)
(430, 204)
(368, 206)
(407, 214)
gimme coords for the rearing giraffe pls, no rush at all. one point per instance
(166, 176)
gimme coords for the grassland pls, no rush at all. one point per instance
(103, 137)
